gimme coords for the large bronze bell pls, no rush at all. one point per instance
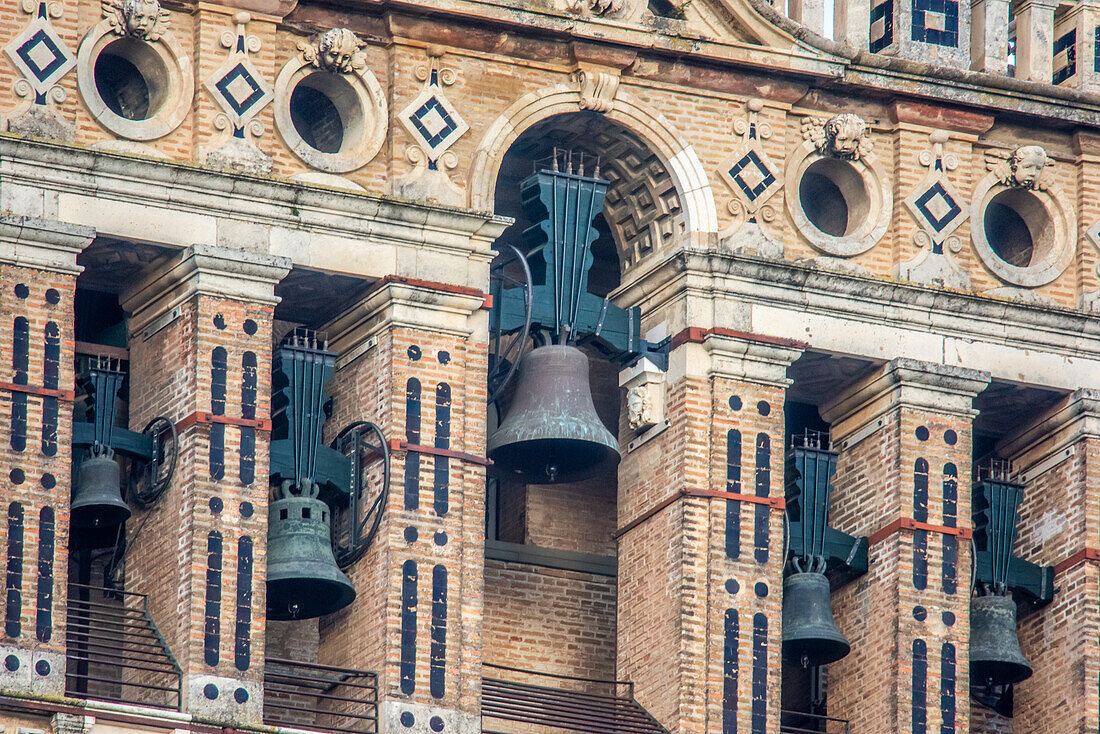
(552, 433)
(810, 636)
(303, 580)
(995, 657)
(97, 496)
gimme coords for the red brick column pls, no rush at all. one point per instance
(701, 541)
(37, 284)
(200, 353)
(412, 358)
(1059, 456)
(903, 479)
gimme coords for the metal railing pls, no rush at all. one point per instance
(114, 652)
(587, 705)
(796, 722)
(320, 697)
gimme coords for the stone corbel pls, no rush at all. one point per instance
(42, 244)
(598, 88)
(644, 383)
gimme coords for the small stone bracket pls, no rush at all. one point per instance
(645, 399)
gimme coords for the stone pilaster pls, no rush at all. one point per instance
(989, 36)
(1059, 459)
(37, 285)
(701, 539)
(850, 22)
(1087, 148)
(1035, 41)
(412, 358)
(200, 354)
(903, 479)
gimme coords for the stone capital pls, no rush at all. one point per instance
(1074, 419)
(43, 244)
(905, 383)
(205, 270)
(733, 355)
(397, 302)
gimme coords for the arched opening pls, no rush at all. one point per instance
(570, 526)
(1016, 226)
(131, 79)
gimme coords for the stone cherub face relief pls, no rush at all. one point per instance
(1027, 165)
(844, 134)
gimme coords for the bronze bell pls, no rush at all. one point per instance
(97, 496)
(303, 580)
(810, 636)
(995, 657)
(552, 432)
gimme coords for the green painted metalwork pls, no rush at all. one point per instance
(563, 206)
(302, 367)
(95, 424)
(995, 510)
(809, 472)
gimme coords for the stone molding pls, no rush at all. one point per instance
(734, 357)
(204, 270)
(132, 198)
(789, 300)
(398, 303)
(1075, 419)
(905, 383)
(43, 244)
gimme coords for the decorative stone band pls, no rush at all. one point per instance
(908, 523)
(776, 503)
(397, 444)
(697, 335)
(44, 392)
(1082, 556)
(260, 424)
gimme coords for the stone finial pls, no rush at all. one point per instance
(1027, 168)
(142, 19)
(841, 136)
(338, 50)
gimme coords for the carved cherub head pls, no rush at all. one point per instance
(337, 50)
(637, 406)
(1026, 165)
(842, 136)
(142, 19)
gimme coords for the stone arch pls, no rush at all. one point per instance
(699, 215)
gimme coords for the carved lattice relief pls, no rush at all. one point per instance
(43, 59)
(754, 179)
(434, 125)
(241, 92)
(936, 207)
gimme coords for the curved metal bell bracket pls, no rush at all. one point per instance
(355, 525)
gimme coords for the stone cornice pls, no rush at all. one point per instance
(42, 244)
(1074, 419)
(715, 278)
(205, 270)
(905, 383)
(398, 303)
(732, 355)
(208, 197)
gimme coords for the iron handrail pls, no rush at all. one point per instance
(309, 696)
(819, 722)
(114, 651)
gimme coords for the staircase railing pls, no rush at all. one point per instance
(320, 697)
(796, 722)
(114, 652)
(589, 705)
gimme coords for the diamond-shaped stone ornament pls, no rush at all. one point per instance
(239, 89)
(936, 206)
(752, 175)
(40, 55)
(433, 121)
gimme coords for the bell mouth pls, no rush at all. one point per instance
(810, 635)
(306, 597)
(995, 657)
(554, 461)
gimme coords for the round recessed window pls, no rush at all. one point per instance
(131, 79)
(825, 191)
(334, 121)
(136, 88)
(841, 207)
(1023, 235)
(1018, 227)
(319, 106)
